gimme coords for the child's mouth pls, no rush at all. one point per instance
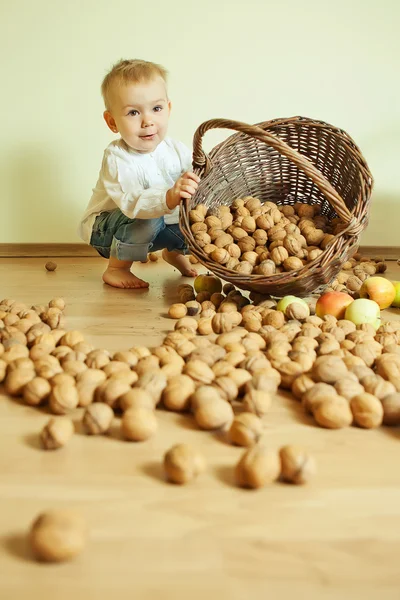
(147, 137)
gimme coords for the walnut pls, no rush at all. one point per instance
(183, 464)
(213, 414)
(58, 535)
(317, 394)
(177, 311)
(257, 467)
(15, 381)
(353, 283)
(304, 359)
(257, 401)
(138, 424)
(97, 418)
(314, 236)
(266, 381)
(297, 466)
(136, 398)
(367, 410)
(328, 346)
(292, 264)
(328, 369)
(154, 382)
(36, 391)
(97, 359)
(266, 267)
(240, 377)
(246, 244)
(227, 388)
(176, 394)
(71, 338)
(56, 433)
(276, 233)
(275, 318)
(260, 237)
(63, 398)
(199, 371)
(301, 385)
(91, 376)
(245, 430)
(288, 371)
(333, 413)
(293, 245)
(297, 310)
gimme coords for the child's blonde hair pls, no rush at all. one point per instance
(131, 71)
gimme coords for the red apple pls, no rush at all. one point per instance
(333, 303)
(380, 290)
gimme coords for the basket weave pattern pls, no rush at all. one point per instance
(284, 161)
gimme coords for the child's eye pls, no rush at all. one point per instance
(157, 108)
(133, 113)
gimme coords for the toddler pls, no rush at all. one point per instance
(144, 174)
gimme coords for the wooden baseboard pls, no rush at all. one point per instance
(46, 250)
(85, 251)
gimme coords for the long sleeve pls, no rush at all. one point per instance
(122, 184)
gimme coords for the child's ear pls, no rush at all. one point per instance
(169, 106)
(109, 119)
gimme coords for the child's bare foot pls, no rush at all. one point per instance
(180, 262)
(123, 278)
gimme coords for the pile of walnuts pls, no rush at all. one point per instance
(223, 363)
(249, 237)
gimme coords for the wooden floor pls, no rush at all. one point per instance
(337, 538)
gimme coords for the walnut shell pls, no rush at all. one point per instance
(183, 464)
(245, 430)
(213, 414)
(56, 433)
(136, 398)
(328, 369)
(36, 391)
(317, 394)
(58, 535)
(297, 466)
(154, 382)
(257, 467)
(367, 410)
(176, 395)
(97, 418)
(301, 385)
(333, 413)
(138, 424)
(257, 402)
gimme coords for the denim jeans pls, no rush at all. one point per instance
(114, 235)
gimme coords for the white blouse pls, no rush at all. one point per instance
(136, 183)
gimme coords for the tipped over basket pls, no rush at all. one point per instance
(284, 161)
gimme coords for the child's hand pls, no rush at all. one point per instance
(184, 187)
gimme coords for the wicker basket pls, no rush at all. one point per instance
(284, 161)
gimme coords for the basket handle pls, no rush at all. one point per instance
(203, 163)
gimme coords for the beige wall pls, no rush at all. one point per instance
(246, 60)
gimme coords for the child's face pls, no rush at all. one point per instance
(140, 113)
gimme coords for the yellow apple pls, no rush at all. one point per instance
(378, 289)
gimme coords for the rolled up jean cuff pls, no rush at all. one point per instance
(128, 252)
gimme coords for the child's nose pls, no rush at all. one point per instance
(147, 121)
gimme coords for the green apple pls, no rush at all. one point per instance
(363, 310)
(396, 301)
